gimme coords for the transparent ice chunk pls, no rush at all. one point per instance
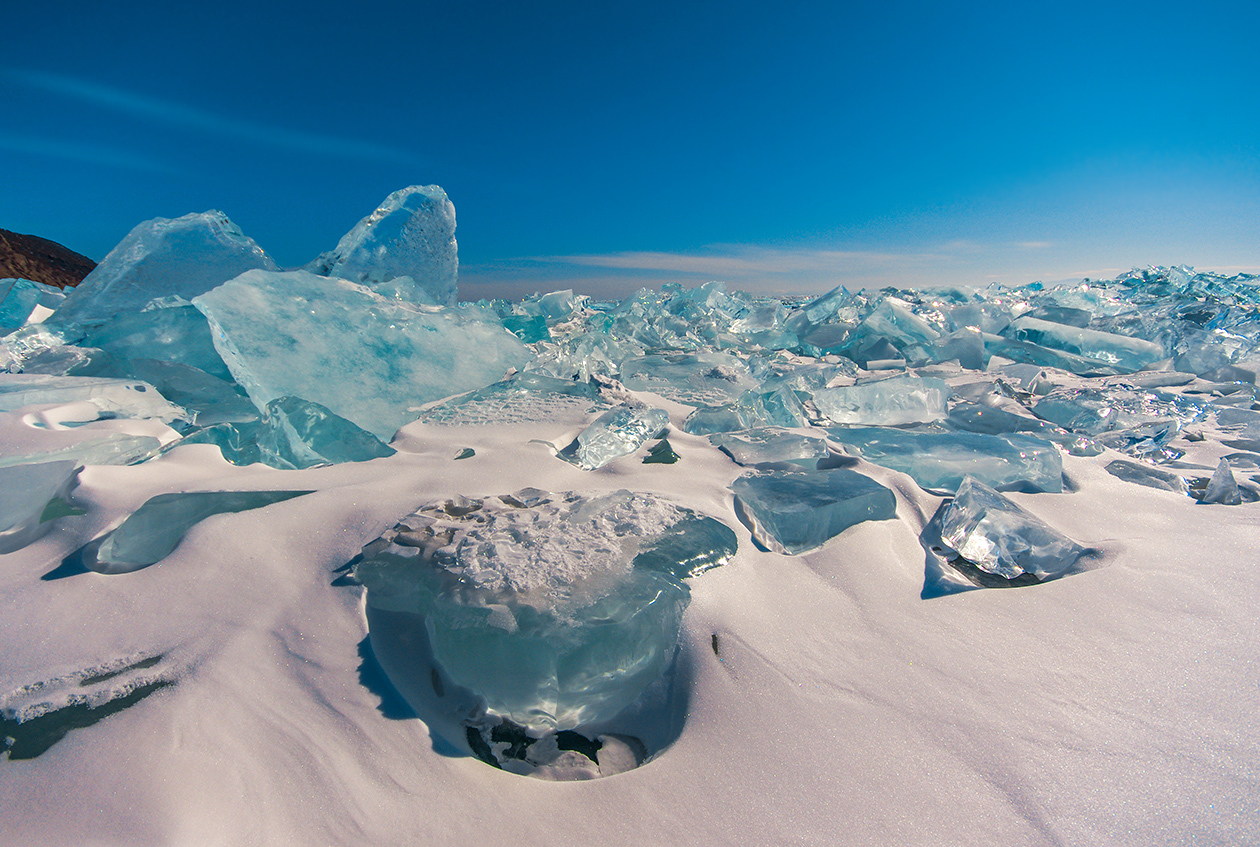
(999, 537)
(28, 494)
(182, 256)
(412, 235)
(696, 379)
(1146, 475)
(173, 332)
(796, 511)
(286, 333)
(557, 609)
(521, 398)
(1222, 488)
(888, 402)
(19, 297)
(616, 433)
(1121, 352)
(115, 448)
(939, 461)
(755, 446)
(151, 532)
(297, 433)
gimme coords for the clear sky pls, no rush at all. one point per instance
(604, 145)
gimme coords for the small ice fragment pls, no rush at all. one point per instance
(888, 402)
(466, 453)
(999, 537)
(616, 433)
(1222, 488)
(796, 511)
(1146, 475)
(151, 532)
(26, 494)
(660, 453)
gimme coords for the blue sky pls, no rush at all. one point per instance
(605, 146)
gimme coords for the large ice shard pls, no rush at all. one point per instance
(756, 446)
(997, 536)
(888, 402)
(170, 331)
(19, 299)
(151, 532)
(938, 461)
(616, 433)
(162, 257)
(29, 497)
(290, 333)
(557, 609)
(409, 242)
(297, 433)
(116, 397)
(1121, 352)
(796, 511)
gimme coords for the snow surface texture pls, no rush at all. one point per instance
(862, 691)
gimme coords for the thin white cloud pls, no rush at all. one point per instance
(92, 154)
(190, 118)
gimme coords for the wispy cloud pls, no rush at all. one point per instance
(92, 154)
(190, 118)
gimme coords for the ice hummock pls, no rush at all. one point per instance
(557, 609)
(285, 333)
(999, 537)
(796, 511)
(405, 249)
(163, 257)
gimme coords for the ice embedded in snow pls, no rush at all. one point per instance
(151, 532)
(887, 402)
(696, 379)
(557, 609)
(285, 333)
(1147, 475)
(521, 398)
(1222, 488)
(796, 511)
(616, 433)
(999, 537)
(938, 461)
(755, 446)
(115, 397)
(404, 250)
(29, 495)
(159, 258)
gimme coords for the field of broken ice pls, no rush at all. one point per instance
(326, 556)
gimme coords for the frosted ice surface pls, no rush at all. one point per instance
(521, 398)
(116, 397)
(151, 532)
(889, 402)
(755, 446)
(182, 256)
(26, 494)
(558, 609)
(286, 333)
(411, 234)
(938, 461)
(1146, 475)
(116, 448)
(616, 433)
(999, 537)
(1222, 488)
(19, 297)
(797, 511)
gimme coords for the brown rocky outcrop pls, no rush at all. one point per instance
(34, 258)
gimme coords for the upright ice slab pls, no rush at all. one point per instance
(938, 461)
(557, 609)
(410, 238)
(290, 333)
(889, 402)
(999, 537)
(797, 511)
(162, 257)
(28, 498)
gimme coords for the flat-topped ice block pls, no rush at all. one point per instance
(162, 257)
(938, 461)
(405, 249)
(755, 446)
(371, 360)
(999, 537)
(888, 402)
(556, 609)
(797, 511)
